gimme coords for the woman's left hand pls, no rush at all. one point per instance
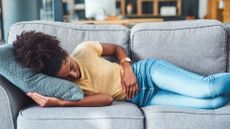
(129, 81)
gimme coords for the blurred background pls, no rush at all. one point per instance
(126, 12)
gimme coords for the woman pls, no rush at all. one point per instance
(146, 82)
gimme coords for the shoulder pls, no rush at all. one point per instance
(89, 44)
(89, 47)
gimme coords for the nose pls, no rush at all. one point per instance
(73, 74)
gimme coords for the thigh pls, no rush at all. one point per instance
(169, 77)
(171, 99)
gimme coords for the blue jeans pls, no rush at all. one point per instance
(162, 83)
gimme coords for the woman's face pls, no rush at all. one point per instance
(69, 70)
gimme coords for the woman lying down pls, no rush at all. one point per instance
(145, 82)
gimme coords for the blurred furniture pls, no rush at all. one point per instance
(214, 11)
(226, 12)
(156, 6)
(122, 6)
(58, 10)
(116, 20)
(75, 7)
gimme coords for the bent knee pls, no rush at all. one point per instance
(217, 102)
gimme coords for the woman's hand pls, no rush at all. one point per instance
(92, 100)
(45, 101)
(129, 81)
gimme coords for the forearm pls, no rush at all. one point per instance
(120, 53)
(90, 101)
(128, 79)
(113, 50)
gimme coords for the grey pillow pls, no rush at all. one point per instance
(28, 80)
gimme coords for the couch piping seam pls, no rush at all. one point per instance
(106, 118)
(190, 113)
(76, 28)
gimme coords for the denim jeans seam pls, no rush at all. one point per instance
(147, 89)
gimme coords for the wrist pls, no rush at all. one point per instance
(125, 59)
(61, 103)
(126, 64)
(126, 67)
(65, 103)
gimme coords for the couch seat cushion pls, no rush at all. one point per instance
(162, 117)
(120, 115)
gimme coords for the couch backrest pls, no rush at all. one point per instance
(71, 35)
(198, 46)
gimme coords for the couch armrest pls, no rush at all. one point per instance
(12, 100)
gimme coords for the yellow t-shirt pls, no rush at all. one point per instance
(98, 75)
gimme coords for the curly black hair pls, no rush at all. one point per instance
(40, 52)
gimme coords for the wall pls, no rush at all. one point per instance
(18, 10)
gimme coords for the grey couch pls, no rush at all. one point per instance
(200, 46)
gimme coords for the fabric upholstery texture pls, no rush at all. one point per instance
(12, 101)
(198, 46)
(120, 115)
(202, 41)
(71, 35)
(30, 81)
(162, 117)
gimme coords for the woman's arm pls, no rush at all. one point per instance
(113, 50)
(129, 81)
(95, 100)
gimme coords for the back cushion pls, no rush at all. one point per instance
(71, 35)
(198, 46)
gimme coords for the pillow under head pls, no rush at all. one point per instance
(30, 81)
